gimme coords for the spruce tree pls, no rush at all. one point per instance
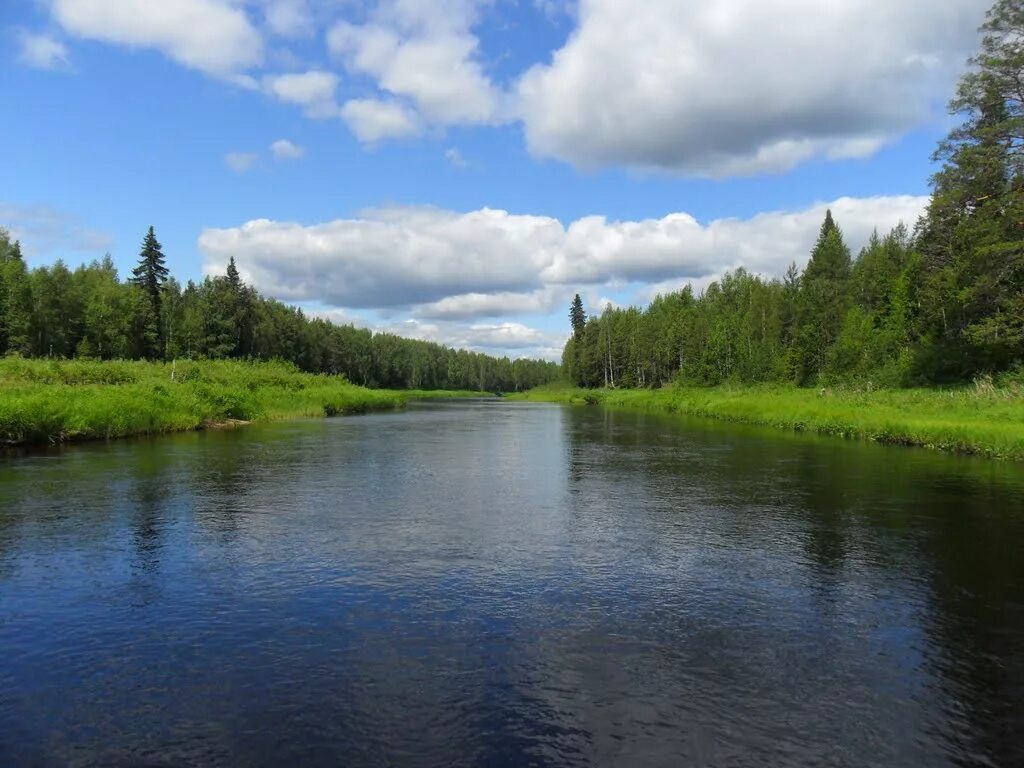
(823, 300)
(577, 316)
(972, 236)
(234, 280)
(150, 276)
(240, 311)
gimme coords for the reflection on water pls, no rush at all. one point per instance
(509, 584)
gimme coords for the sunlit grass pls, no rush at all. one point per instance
(981, 419)
(55, 401)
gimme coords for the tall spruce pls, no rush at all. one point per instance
(823, 300)
(234, 279)
(577, 316)
(972, 236)
(150, 276)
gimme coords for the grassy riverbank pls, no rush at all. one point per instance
(49, 401)
(982, 419)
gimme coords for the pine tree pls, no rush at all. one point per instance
(150, 276)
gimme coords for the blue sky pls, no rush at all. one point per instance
(457, 169)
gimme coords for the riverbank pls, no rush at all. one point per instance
(54, 401)
(981, 419)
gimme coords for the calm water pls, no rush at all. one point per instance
(500, 584)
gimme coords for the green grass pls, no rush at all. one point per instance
(980, 419)
(442, 394)
(49, 401)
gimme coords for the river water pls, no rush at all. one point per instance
(505, 584)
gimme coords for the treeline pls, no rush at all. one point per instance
(88, 312)
(839, 320)
(943, 303)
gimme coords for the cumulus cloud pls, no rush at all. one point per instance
(513, 339)
(43, 230)
(422, 51)
(212, 36)
(372, 120)
(501, 303)
(717, 89)
(289, 18)
(42, 51)
(742, 86)
(391, 257)
(489, 262)
(508, 335)
(509, 338)
(282, 149)
(312, 90)
(678, 246)
(240, 162)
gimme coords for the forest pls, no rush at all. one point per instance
(938, 302)
(88, 312)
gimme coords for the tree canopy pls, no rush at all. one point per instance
(944, 303)
(88, 312)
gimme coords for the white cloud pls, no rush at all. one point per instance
(42, 51)
(678, 246)
(391, 257)
(513, 339)
(282, 149)
(510, 338)
(498, 304)
(489, 263)
(372, 120)
(423, 51)
(42, 230)
(509, 335)
(312, 90)
(289, 18)
(209, 35)
(455, 158)
(742, 86)
(240, 162)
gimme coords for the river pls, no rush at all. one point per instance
(509, 584)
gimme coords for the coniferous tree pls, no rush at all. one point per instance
(150, 276)
(577, 316)
(15, 298)
(972, 236)
(823, 300)
(571, 354)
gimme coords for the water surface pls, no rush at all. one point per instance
(504, 584)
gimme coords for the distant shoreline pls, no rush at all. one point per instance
(969, 420)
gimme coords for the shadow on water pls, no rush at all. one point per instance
(507, 584)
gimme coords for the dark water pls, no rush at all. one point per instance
(508, 584)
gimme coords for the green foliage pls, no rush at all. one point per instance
(972, 238)
(58, 400)
(944, 305)
(88, 313)
(577, 317)
(149, 276)
(15, 297)
(986, 418)
(821, 303)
